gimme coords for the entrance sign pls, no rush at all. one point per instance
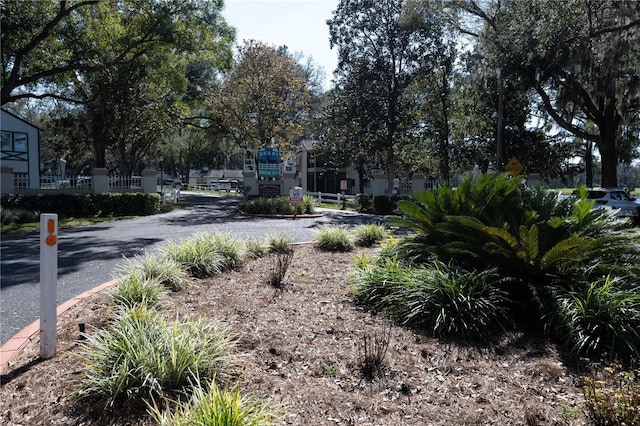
(269, 162)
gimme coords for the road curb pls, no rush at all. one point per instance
(10, 350)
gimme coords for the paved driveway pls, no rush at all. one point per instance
(88, 254)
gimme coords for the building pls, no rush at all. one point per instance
(319, 174)
(20, 149)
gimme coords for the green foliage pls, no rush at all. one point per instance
(215, 406)
(603, 318)
(140, 357)
(264, 98)
(278, 205)
(365, 201)
(447, 301)
(369, 234)
(541, 248)
(164, 270)
(17, 216)
(195, 256)
(613, 396)
(86, 205)
(255, 247)
(135, 289)
(279, 243)
(333, 238)
(207, 254)
(308, 204)
(384, 205)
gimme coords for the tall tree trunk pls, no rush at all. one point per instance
(608, 147)
(588, 164)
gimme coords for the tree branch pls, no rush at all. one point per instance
(559, 119)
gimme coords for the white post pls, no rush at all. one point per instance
(48, 283)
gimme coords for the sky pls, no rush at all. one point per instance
(298, 24)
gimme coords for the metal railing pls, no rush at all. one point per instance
(75, 184)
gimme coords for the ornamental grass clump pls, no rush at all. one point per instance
(602, 319)
(369, 234)
(447, 302)
(197, 255)
(232, 250)
(166, 271)
(134, 289)
(215, 406)
(334, 238)
(279, 243)
(255, 248)
(140, 358)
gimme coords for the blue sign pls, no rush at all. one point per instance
(269, 162)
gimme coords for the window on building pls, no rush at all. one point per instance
(14, 141)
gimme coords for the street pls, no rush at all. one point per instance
(87, 255)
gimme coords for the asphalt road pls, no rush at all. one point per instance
(87, 255)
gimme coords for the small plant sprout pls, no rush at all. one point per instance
(373, 350)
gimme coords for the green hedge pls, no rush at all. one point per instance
(85, 205)
(385, 205)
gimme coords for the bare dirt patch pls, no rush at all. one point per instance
(301, 348)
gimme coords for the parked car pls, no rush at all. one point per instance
(616, 198)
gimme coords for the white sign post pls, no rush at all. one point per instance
(296, 196)
(48, 284)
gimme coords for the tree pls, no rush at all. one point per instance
(383, 46)
(124, 62)
(45, 44)
(264, 99)
(581, 57)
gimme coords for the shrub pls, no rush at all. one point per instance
(255, 248)
(333, 238)
(17, 216)
(134, 290)
(267, 205)
(603, 319)
(535, 242)
(384, 205)
(86, 205)
(365, 201)
(613, 397)
(369, 234)
(140, 358)
(196, 256)
(449, 302)
(167, 272)
(211, 405)
(309, 204)
(373, 351)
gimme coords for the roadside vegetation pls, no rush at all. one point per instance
(491, 257)
(278, 206)
(21, 213)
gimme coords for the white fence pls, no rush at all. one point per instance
(77, 184)
(324, 197)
